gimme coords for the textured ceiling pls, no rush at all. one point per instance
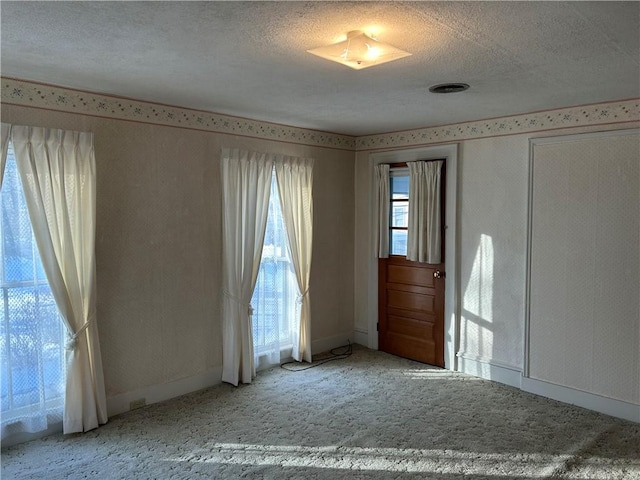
(249, 58)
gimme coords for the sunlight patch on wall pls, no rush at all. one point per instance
(477, 304)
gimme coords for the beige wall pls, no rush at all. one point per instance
(158, 245)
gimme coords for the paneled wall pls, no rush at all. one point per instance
(585, 264)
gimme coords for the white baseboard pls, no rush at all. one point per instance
(489, 370)
(591, 401)
(121, 403)
(158, 393)
(361, 337)
(328, 343)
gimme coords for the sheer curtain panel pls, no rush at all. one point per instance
(246, 182)
(382, 202)
(295, 181)
(57, 169)
(32, 333)
(423, 242)
(276, 312)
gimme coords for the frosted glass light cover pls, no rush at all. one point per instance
(359, 51)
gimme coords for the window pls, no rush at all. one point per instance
(32, 334)
(399, 211)
(274, 298)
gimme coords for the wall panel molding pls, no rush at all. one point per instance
(582, 320)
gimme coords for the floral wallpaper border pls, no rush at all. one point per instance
(20, 92)
(24, 93)
(580, 116)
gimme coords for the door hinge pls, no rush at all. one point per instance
(378, 327)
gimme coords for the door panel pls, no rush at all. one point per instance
(408, 275)
(411, 310)
(407, 300)
(410, 326)
(409, 288)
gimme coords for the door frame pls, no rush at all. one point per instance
(451, 298)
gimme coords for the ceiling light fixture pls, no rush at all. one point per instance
(359, 51)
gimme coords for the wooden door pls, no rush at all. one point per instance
(411, 310)
(411, 303)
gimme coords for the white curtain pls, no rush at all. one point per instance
(424, 234)
(246, 182)
(57, 170)
(295, 181)
(382, 201)
(6, 130)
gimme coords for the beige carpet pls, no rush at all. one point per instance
(369, 416)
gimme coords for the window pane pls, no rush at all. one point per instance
(274, 298)
(400, 187)
(24, 343)
(398, 242)
(399, 214)
(17, 234)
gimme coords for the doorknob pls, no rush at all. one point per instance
(439, 274)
